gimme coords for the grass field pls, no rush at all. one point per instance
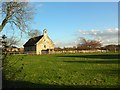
(64, 70)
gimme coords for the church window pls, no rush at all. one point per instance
(44, 46)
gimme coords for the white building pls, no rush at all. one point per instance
(39, 45)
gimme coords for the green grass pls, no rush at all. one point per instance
(64, 70)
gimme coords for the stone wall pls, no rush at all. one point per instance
(79, 51)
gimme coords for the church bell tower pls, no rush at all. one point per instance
(45, 32)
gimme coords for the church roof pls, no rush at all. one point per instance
(32, 41)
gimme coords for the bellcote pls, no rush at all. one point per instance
(45, 32)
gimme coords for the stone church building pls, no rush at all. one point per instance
(39, 45)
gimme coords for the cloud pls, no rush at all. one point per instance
(108, 36)
(40, 5)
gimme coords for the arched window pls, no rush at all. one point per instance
(44, 46)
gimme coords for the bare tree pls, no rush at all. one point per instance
(11, 41)
(89, 44)
(34, 33)
(83, 40)
(112, 47)
(17, 14)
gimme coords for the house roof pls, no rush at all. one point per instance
(32, 41)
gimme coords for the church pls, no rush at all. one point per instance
(39, 45)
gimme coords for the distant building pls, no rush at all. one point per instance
(14, 50)
(39, 45)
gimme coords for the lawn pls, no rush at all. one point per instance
(63, 70)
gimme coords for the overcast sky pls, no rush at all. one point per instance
(67, 21)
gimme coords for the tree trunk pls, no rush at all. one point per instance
(0, 28)
(4, 22)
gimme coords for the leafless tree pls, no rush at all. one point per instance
(112, 47)
(89, 44)
(34, 33)
(11, 41)
(17, 14)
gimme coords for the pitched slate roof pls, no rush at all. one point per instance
(32, 41)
